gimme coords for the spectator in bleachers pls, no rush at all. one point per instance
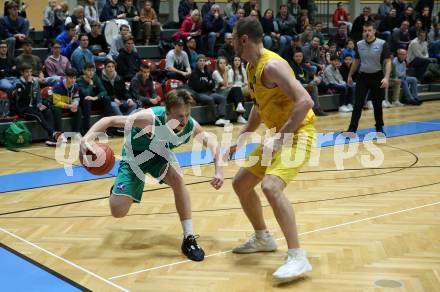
(394, 84)
(92, 94)
(191, 26)
(340, 38)
(251, 5)
(233, 19)
(387, 25)
(213, 27)
(312, 57)
(27, 103)
(418, 56)
(408, 83)
(50, 31)
(91, 11)
(97, 39)
(434, 41)
(32, 60)
(69, 40)
(425, 17)
(132, 16)
(190, 49)
(294, 9)
(414, 30)
(21, 11)
(289, 52)
(82, 55)
(255, 14)
(77, 18)
(207, 7)
(185, 9)
(349, 49)
(344, 69)
(317, 31)
(358, 24)
(303, 22)
(384, 9)
(333, 79)
(142, 89)
(341, 16)
(227, 49)
(224, 79)
(400, 6)
(8, 69)
(332, 50)
(239, 76)
(307, 35)
(128, 60)
(150, 23)
(56, 64)
(177, 62)
(201, 81)
(61, 13)
(409, 16)
(310, 83)
(121, 101)
(231, 8)
(111, 11)
(286, 26)
(400, 38)
(117, 42)
(66, 98)
(13, 28)
(271, 38)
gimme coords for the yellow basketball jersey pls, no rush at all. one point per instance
(272, 104)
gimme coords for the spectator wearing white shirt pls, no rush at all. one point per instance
(418, 56)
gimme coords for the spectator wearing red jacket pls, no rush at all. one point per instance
(341, 16)
(191, 26)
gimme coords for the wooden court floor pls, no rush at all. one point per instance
(365, 229)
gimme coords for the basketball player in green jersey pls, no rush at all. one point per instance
(153, 133)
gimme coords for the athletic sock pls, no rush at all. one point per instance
(187, 227)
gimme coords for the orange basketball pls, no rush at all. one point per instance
(101, 162)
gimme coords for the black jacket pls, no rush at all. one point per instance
(201, 82)
(115, 89)
(127, 64)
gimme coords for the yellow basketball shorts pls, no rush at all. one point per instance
(287, 161)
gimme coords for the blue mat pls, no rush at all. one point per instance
(57, 176)
(18, 273)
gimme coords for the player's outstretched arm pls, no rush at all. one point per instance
(210, 142)
(141, 119)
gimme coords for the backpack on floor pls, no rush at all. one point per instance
(16, 135)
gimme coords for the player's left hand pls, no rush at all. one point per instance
(384, 83)
(217, 181)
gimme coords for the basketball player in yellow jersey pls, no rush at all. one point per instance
(281, 103)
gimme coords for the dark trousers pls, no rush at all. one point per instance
(75, 121)
(345, 91)
(420, 65)
(103, 105)
(44, 118)
(235, 95)
(215, 100)
(370, 83)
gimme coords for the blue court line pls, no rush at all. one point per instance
(19, 273)
(57, 176)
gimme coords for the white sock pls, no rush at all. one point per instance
(187, 227)
(295, 251)
(262, 234)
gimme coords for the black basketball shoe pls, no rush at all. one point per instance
(191, 249)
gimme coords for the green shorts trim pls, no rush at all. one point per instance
(127, 183)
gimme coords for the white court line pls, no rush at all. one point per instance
(64, 260)
(304, 233)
